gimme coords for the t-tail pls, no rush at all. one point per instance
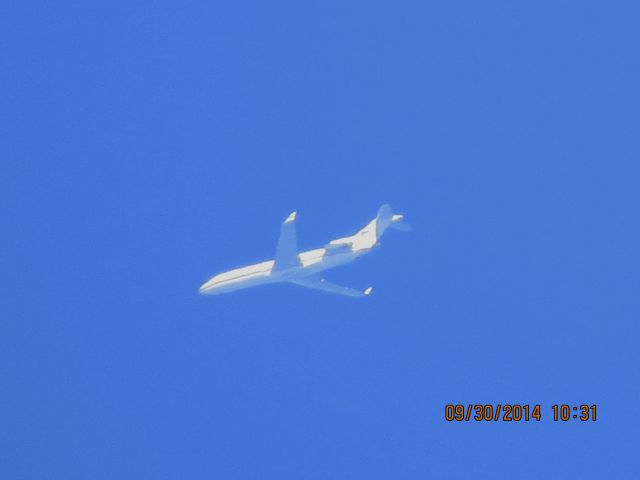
(387, 219)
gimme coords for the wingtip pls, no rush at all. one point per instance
(291, 217)
(367, 291)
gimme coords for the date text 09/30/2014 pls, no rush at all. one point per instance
(514, 412)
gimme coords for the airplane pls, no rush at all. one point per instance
(303, 268)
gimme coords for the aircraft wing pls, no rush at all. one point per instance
(287, 249)
(319, 283)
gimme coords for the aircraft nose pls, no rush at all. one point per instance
(207, 287)
(204, 288)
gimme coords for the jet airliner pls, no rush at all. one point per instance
(303, 268)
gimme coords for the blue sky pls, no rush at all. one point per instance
(149, 145)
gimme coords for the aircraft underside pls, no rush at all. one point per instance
(303, 268)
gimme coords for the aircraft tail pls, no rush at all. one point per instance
(387, 219)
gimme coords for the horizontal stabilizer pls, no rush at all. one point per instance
(387, 218)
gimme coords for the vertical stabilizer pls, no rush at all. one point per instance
(386, 218)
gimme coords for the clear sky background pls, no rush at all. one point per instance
(146, 146)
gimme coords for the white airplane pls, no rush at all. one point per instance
(302, 268)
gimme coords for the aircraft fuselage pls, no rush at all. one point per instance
(311, 262)
(302, 268)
